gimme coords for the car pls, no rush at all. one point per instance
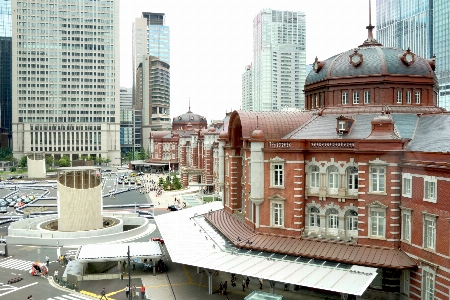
(10, 178)
(133, 175)
(3, 209)
(140, 173)
(12, 203)
(120, 181)
(156, 239)
(3, 203)
(19, 176)
(173, 207)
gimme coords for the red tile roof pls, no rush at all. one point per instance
(243, 236)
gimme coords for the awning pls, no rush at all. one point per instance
(191, 240)
(118, 252)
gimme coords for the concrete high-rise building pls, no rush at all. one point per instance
(65, 66)
(423, 26)
(279, 60)
(153, 87)
(247, 87)
(151, 75)
(5, 67)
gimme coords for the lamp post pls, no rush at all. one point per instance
(129, 273)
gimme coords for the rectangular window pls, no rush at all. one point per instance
(333, 221)
(377, 223)
(277, 175)
(427, 285)
(429, 239)
(314, 219)
(429, 190)
(341, 125)
(277, 214)
(344, 97)
(355, 97)
(366, 97)
(408, 97)
(404, 282)
(417, 96)
(352, 223)
(406, 185)
(399, 96)
(314, 177)
(406, 226)
(378, 179)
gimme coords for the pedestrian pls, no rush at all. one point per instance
(225, 286)
(142, 292)
(56, 274)
(221, 288)
(103, 293)
(47, 260)
(260, 283)
(243, 284)
(134, 266)
(127, 292)
(247, 281)
(133, 291)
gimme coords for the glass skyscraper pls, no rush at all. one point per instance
(5, 65)
(66, 78)
(424, 27)
(279, 60)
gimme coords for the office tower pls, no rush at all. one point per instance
(65, 59)
(279, 59)
(153, 86)
(247, 89)
(441, 47)
(5, 67)
(406, 24)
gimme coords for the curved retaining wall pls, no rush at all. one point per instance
(19, 234)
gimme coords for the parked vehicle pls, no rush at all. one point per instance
(173, 207)
(3, 209)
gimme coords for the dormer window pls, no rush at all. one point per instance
(344, 124)
(408, 57)
(318, 65)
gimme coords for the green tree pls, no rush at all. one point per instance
(98, 161)
(107, 160)
(23, 162)
(64, 161)
(161, 181)
(49, 160)
(176, 183)
(5, 154)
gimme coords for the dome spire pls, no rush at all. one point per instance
(370, 40)
(189, 111)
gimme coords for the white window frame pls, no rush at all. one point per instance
(406, 185)
(399, 96)
(341, 125)
(406, 225)
(408, 97)
(376, 178)
(417, 96)
(377, 218)
(366, 97)
(352, 181)
(428, 283)
(277, 174)
(430, 189)
(314, 177)
(355, 97)
(405, 282)
(344, 98)
(276, 213)
(351, 222)
(429, 231)
(333, 179)
(314, 218)
(332, 220)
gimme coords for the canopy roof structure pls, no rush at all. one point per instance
(192, 240)
(118, 252)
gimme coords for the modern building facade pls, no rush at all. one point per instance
(6, 67)
(247, 89)
(279, 60)
(423, 27)
(130, 124)
(65, 62)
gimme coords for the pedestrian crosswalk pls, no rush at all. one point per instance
(70, 297)
(16, 264)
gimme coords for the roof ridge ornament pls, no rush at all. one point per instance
(371, 41)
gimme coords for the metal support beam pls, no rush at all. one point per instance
(210, 274)
(272, 286)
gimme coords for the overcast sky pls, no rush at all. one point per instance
(211, 42)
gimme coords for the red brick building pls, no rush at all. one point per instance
(361, 177)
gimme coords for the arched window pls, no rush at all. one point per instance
(333, 218)
(352, 181)
(314, 177)
(314, 217)
(333, 179)
(351, 219)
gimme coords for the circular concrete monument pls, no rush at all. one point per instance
(80, 201)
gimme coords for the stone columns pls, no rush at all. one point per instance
(257, 176)
(210, 274)
(221, 169)
(272, 286)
